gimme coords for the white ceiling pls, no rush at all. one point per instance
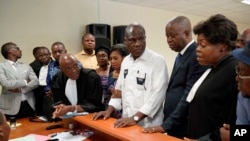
(232, 9)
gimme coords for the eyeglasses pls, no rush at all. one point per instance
(237, 68)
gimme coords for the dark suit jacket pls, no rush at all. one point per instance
(89, 90)
(36, 66)
(39, 91)
(181, 81)
(215, 100)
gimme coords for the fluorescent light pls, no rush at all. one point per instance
(246, 2)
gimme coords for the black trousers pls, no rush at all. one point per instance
(25, 111)
(39, 95)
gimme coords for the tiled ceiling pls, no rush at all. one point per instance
(233, 9)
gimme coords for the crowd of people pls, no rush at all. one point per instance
(208, 89)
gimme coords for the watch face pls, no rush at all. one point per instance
(136, 118)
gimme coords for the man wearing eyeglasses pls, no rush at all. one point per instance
(243, 79)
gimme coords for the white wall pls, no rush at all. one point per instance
(31, 23)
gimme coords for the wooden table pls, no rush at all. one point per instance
(106, 130)
(103, 130)
(39, 128)
(28, 127)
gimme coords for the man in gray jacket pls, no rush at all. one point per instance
(17, 80)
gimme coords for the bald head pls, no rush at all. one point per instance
(243, 38)
(135, 39)
(66, 58)
(69, 66)
(178, 33)
(130, 28)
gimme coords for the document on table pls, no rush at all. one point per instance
(31, 137)
(68, 136)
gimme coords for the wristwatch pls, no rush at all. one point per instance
(136, 118)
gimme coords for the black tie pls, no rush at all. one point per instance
(177, 60)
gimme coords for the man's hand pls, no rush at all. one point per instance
(14, 90)
(49, 93)
(153, 129)
(104, 114)
(126, 121)
(225, 132)
(116, 94)
(61, 110)
(28, 80)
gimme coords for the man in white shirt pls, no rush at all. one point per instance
(142, 82)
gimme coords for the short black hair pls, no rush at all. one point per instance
(5, 48)
(57, 43)
(121, 48)
(218, 29)
(35, 49)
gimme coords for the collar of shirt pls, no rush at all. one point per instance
(186, 47)
(84, 53)
(145, 55)
(11, 62)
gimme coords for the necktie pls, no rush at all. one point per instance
(177, 60)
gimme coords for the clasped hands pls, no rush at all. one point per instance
(61, 110)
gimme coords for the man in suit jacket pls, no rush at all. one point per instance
(36, 64)
(44, 57)
(79, 89)
(184, 74)
(17, 80)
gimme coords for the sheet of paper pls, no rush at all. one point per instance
(26, 138)
(31, 137)
(39, 137)
(67, 136)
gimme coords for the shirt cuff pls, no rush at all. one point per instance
(116, 103)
